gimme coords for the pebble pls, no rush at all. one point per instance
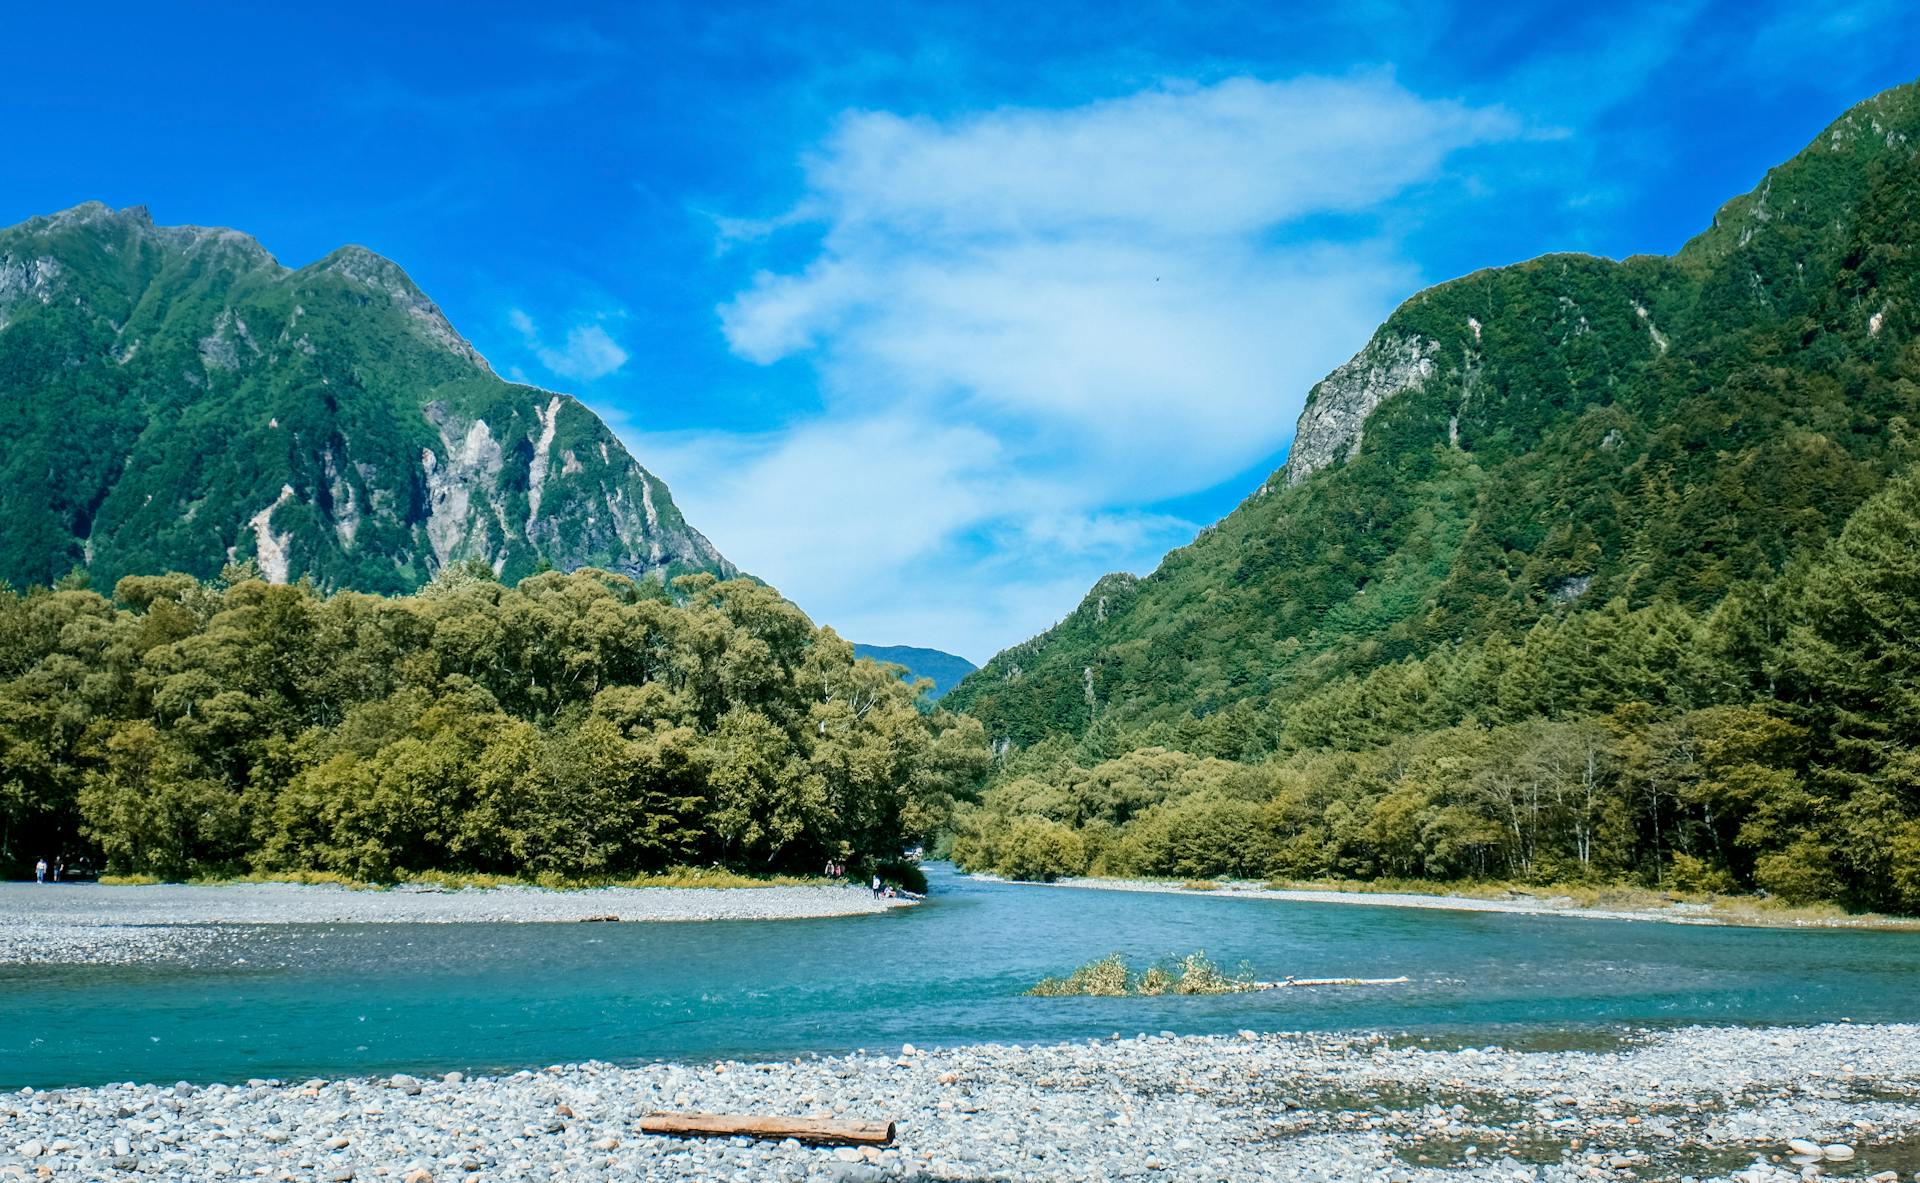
(1192, 1109)
(181, 923)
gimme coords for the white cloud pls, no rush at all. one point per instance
(1173, 162)
(1032, 326)
(589, 352)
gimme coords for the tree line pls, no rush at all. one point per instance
(1771, 743)
(579, 725)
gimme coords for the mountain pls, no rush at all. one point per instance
(175, 399)
(946, 669)
(1581, 573)
(1546, 441)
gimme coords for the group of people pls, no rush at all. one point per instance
(40, 871)
(837, 871)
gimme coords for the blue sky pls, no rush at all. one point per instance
(930, 314)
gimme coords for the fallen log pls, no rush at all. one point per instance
(820, 1131)
(1286, 982)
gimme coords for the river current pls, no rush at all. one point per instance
(302, 1000)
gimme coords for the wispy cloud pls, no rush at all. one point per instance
(589, 352)
(1030, 326)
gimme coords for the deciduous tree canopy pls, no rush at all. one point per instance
(580, 725)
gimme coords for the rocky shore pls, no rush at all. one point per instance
(1681, 912)
(98, 924)
(1736, 1104)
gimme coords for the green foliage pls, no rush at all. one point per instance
(573, 728)
(1026, 847)
(1564, 757)
(1106, 978)
(1109, 977)
(1624, 589)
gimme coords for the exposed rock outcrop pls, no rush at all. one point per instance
(1337, 408)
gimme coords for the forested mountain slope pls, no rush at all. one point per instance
(1580, 571)
(1531, 441)
(174, 399)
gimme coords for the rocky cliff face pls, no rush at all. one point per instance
(176, 399)
(1336, 413)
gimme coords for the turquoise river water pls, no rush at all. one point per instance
(379, 998)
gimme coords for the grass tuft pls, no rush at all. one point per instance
(1105, 978)
(1109, 977)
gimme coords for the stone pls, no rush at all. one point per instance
(30, 1149)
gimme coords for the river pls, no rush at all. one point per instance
(291, 1001)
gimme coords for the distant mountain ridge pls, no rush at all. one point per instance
(945, 669)
(175, 399)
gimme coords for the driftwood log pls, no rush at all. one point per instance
(1286, 982)
(818, 1130)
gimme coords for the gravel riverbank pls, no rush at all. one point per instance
(97, 924)
(1671, 913)
(1701, 1103)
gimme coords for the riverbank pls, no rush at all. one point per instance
(1702, 1103)
(1616, 904)
(107, 924)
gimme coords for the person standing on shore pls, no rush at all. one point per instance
(876, 887)
(40, 871)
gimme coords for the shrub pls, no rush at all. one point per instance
(1041, 850)
(1109, 978)
(1801, 874)
(1699, 875)
(1105, 978)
